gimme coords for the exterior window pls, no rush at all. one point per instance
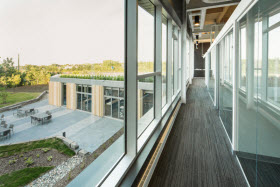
(145, 103)
(64, 95)
(145, 41)
(114, 102)
(243, 59)
(164, 80)
(273, 81)
(84, 98)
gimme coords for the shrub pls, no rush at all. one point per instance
(38, 155)
(50, 158)
(45, 149)
(25, 158)
(29, 161)
(12, 161)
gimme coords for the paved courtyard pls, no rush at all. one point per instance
(87, 130)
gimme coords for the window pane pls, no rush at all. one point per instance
(243, 58)
(108, 104)
(145, 103)
(145, 40)
(79, 43)
(172, 68)
(108, 91)
(164, 85)
(115, 92)
(273, 82)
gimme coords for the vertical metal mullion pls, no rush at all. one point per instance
(250, 58)
(264, 58)
(235, 85)
(169, 61)
(158, 62)
(217, 61)
(175, 61)
(131, 11)
(183, 57)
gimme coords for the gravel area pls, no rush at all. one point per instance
(37, 155)
(56, 174)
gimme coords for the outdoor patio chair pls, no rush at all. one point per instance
(11, 127)
(49, 118)
(3, 123)
(32, 111)
(2, 117)
(38, 120)
(6, 134)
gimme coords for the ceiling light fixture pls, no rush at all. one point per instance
(196, 20)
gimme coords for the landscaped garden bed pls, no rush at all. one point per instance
(22, 163)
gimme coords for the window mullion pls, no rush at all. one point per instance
(131, 77)
(158, 62)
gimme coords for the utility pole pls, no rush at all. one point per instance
(18, 62)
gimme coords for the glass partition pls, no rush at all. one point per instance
(164, 48)
(225, 82)
(258, 132)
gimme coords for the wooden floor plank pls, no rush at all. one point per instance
(197, 152)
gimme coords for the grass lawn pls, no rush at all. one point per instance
(22, 177)
(14, 98)
(54, 143)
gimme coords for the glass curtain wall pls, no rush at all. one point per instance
(64, 94)
(114, 102)
(146, 33)
(84, 97)
(225, 82)
(164, 57)
(212, 61)
(258, 94)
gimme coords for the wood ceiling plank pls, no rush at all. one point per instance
(222, 14)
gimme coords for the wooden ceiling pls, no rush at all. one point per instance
(217, 15)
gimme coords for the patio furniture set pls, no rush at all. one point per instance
(5, 130)
(41, 118)
(22, 112)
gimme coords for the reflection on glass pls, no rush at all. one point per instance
(273, 82)
(258, 132)
(145, 103)
(212, 73)
(164, 85)
(64, 94)
(225, 86)
(108, 104)
(172, 68)
(145, 40)
(243, 58)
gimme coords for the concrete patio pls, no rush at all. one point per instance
(87, 130)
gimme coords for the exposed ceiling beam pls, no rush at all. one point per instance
(204, 41)
(208, 6)
(191, 21)
(202, 18)
(207, 28)
(222, 14)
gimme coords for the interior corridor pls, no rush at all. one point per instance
(197, 152)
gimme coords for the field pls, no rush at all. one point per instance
(16, 97)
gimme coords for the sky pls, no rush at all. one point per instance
(45, 32)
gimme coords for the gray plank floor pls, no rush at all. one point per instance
(197, 152)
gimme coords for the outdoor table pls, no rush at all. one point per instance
(3, 129)
(26, 109)
(41, 116)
